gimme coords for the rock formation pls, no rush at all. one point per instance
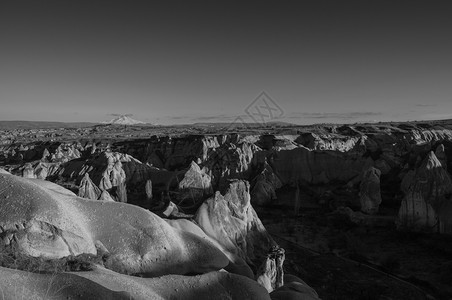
(232, 222)
(236, 264)
(148, 190)
(441, 155)
(270, 274)
(88, 189)
(101, 283)
(370, 196)
(43, 219)
(195, 185)
(28, 171)
(427, 193)
(265, 185)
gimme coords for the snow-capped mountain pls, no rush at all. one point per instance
(124, 120)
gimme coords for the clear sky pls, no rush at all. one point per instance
(187, 61)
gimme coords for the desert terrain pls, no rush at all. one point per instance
(221, 211)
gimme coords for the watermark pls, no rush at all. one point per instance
(264, 109)
(238, 124)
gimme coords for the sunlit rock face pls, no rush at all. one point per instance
(101, 283)
(370, 196)
(237, 265)
(195, 184)
(423, 136)
(89, 190)
(440, 153)
(28, 171)
(16, 284)
(65, 153)
(428, 193)
(230, 219)
(44, 219)
(328, 141)
(109, 171)
(222, 157)
(36, 169)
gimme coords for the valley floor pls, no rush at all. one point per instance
(343, 261)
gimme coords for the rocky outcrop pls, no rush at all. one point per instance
(428, 192)
(148, 190)
(230, 219)
(329, 141)
(370, 196)
(440, 153)
(65, 153)
(101, 283)
(265, 185)
(236, 264)
(37, 169)
(28, 171)
(88, 189)
(223, 157)
(109, 171)
(195, 185)
(42, 219)
(271, 274)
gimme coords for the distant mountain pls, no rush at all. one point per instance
(124, 120)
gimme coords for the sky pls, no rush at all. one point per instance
(302, 62)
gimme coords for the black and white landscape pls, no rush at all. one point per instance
(225, 150)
